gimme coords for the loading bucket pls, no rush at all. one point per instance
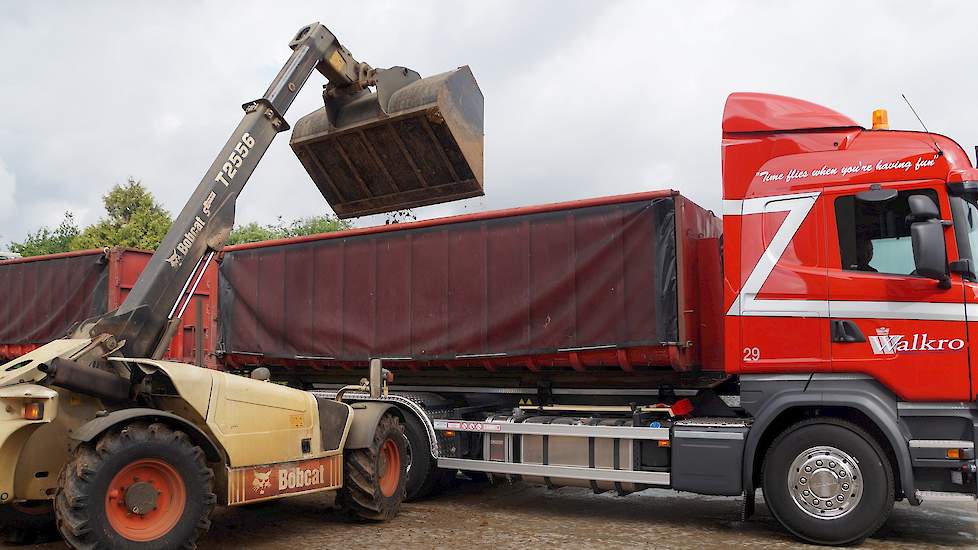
(412, 142)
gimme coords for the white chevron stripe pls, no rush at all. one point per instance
(798, 207)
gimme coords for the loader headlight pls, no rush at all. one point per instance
(26, 402)
(33, 411)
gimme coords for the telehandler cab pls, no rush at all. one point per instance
(125, 450)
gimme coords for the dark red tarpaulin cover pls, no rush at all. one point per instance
(41, 300)
(520, 284)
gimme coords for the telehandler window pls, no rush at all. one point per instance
(875, 236)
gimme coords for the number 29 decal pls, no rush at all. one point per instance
(752, 354)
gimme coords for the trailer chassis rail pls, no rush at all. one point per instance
(616, 433)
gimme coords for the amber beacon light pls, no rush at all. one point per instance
(881, 121)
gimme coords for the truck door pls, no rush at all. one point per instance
(783, 299)
(884, 320)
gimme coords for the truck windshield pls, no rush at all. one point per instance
(964, 208)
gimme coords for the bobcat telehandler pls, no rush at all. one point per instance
(126, 450)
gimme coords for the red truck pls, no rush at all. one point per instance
(819, 350)
(600, 343)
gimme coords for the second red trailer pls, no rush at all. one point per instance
(43, 297)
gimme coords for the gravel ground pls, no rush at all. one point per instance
(517, 516)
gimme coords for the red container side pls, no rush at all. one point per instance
(43, 297)
(602, 282)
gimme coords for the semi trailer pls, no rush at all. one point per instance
(818, 348)
(123, 449)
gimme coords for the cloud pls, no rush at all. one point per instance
(582, 98)
(8, 190)
(167, 124)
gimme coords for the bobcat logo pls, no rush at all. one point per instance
(174, 260)
(261, 482)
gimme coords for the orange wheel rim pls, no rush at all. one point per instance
(390, 467)
(145, 500)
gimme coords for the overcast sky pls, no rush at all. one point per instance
(582, 99)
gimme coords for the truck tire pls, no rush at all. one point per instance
(828, 482)
(375, 478)
(424, 478)
(27, 522)
(141, 487)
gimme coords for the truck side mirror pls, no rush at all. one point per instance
(923, 208)
(927, 239)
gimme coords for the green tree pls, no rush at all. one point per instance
(316, 225)
(254, 232)
(251, 233)
(133, 219)
(49, 241)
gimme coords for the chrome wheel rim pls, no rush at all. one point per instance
(825, 482)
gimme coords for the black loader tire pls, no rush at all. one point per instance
(876, 485)
(27, 522)
(365, 470)
(86, 520)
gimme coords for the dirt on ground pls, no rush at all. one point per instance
(501, 517)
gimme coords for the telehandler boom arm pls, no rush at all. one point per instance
(145, 320)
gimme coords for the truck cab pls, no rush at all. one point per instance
(826, 276)
(850, 286)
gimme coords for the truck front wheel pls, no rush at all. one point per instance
(142, 487)
(374, 478)
(828, 482)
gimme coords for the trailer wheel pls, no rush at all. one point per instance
(142, 487)
(375, 478)
(424, 477)
(828, 482)
(27, 522)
